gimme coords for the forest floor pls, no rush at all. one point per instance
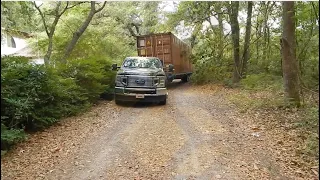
(200, 134)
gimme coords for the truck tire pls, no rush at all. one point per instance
(185, 78)
(117, 102)
(188, 78)
(164, 102)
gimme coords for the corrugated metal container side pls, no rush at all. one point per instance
(168, 48)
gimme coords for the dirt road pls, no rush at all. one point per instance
(197, 135)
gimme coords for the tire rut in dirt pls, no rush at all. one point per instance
(100, 151)
(197, 158)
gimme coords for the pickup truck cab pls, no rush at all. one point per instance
(141, 79)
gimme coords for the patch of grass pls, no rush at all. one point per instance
(266, 92)
(310, 121)
(3, 153)
(260, 91)
(229, 84)
(309, 127)
(311, 147)
(262, 82)
(250, 100)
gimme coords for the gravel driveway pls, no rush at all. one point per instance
(197, 135)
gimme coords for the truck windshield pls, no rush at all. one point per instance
(142, 63)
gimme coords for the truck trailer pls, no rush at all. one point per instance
(170, 50)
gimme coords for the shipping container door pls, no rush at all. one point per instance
(145, 47)
(163, 48)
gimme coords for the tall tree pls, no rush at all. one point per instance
(289, 62)
(265, 31)
(76, 36)
(235, 30)
(219, 17)
(57, 12)
(150, 16)
(246, 50)
(194, 34)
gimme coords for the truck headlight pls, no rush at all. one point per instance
(121, 81)
(159, 81)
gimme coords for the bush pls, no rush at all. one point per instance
(262, 81)
(308, 126)
(10, 136)
(94, 76)
(34, 97)
(205, 72)
(260, 91)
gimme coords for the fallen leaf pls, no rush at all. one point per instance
(56, 149)
(255, 128)
(280, 142)
(315, 172)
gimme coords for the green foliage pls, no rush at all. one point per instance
(262, 81)
(310, 122)
(17, 15)
(94, 76)
(100, 40)
(309, 128)
(248, 100)
(34, 97)
(204, 73)
(10, 137)
(213, 57)
(259, 91)
(209, 64)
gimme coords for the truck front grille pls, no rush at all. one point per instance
(141, 92)
(140, 81)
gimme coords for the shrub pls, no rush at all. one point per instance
(262, 81)
(10, 136)
(308, 126)
(34, 97)
(94, 76)
(205, 72)
(259, 91)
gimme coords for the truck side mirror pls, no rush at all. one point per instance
(171, 68)
(114, 67)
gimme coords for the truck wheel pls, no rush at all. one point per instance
(164, 102)
(117, 102)
(185, 78)
(188, 78)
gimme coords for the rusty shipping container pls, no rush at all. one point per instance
(170, 49)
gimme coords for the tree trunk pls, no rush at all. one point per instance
(233, 13)
(47, 56)
(80, 31)
(50, 32)
(246, 51)
(265, 29)
(289, 63)
(194, 34)
(50, 36)
(221, 36)
(258, 35)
